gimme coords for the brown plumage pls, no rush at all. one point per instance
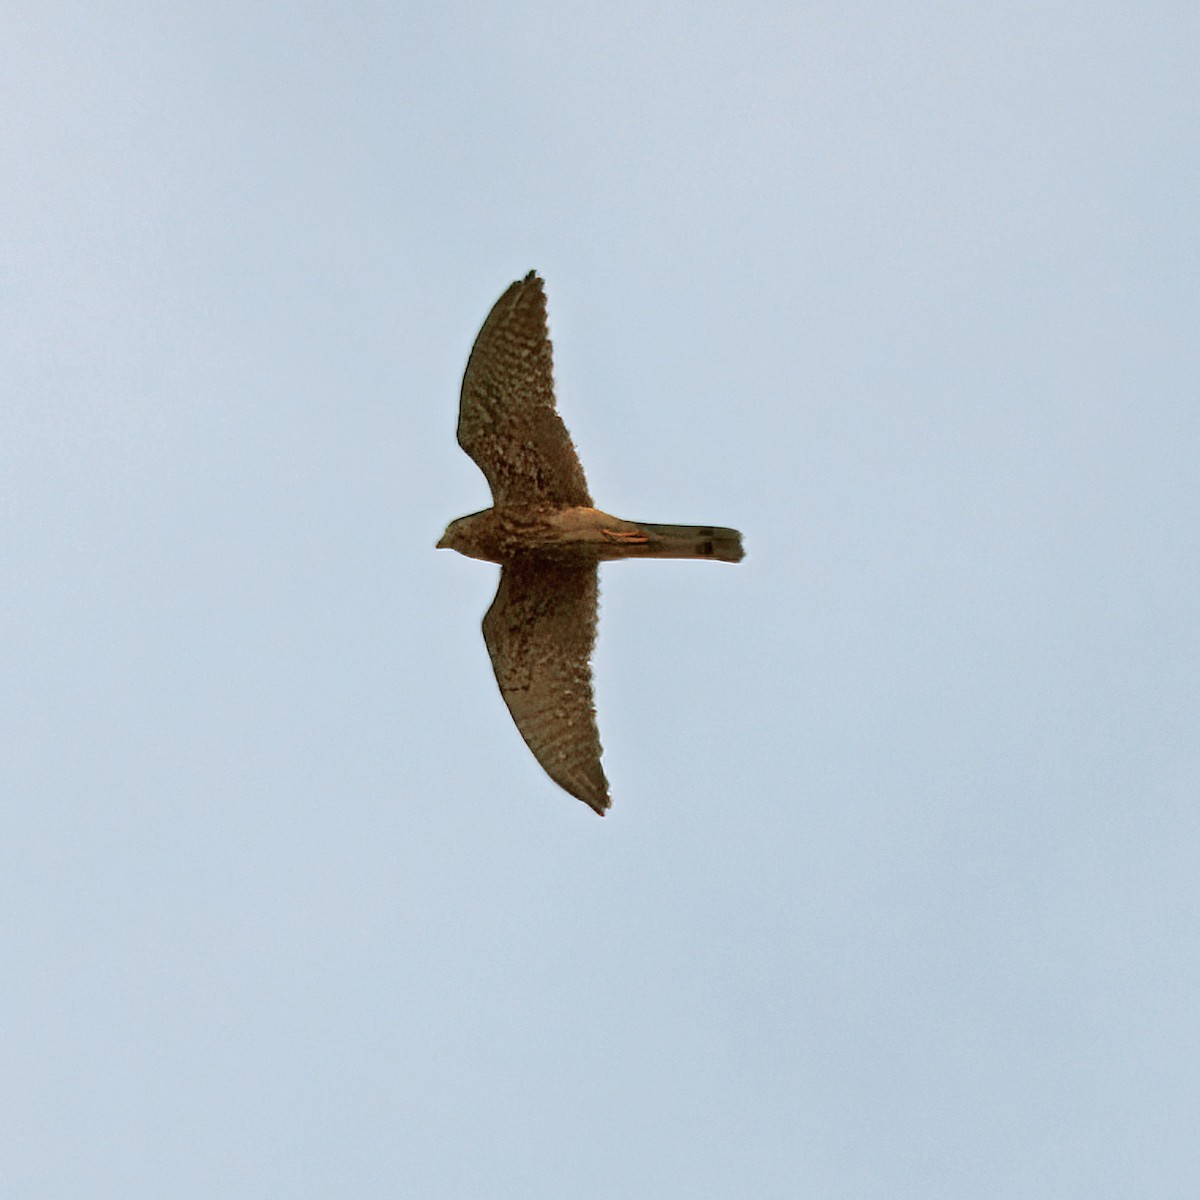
(548, 539)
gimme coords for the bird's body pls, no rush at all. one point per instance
(583, 534)
(548, 539)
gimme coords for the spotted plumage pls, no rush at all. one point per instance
(548, 539)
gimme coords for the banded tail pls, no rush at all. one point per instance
(688, 541)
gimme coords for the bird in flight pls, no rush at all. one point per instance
(548, 539)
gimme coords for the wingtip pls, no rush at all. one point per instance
(598, 804)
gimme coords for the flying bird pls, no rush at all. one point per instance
(548, 538)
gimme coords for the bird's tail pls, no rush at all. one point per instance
(688, 541)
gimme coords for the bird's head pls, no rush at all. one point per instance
(449, 539)
(464, 535)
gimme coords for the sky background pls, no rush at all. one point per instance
(899, 895)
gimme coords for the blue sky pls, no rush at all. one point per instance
(898, 896)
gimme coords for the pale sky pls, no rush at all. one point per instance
(899, 898)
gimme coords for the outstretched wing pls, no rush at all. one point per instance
(506, 419)
(539, 632)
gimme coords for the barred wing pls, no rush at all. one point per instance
(507, 421)
(539, 632)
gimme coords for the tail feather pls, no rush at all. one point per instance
(690, 541)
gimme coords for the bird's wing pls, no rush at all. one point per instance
(539, 632)
(506, 420)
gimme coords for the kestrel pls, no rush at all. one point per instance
(548, 539)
